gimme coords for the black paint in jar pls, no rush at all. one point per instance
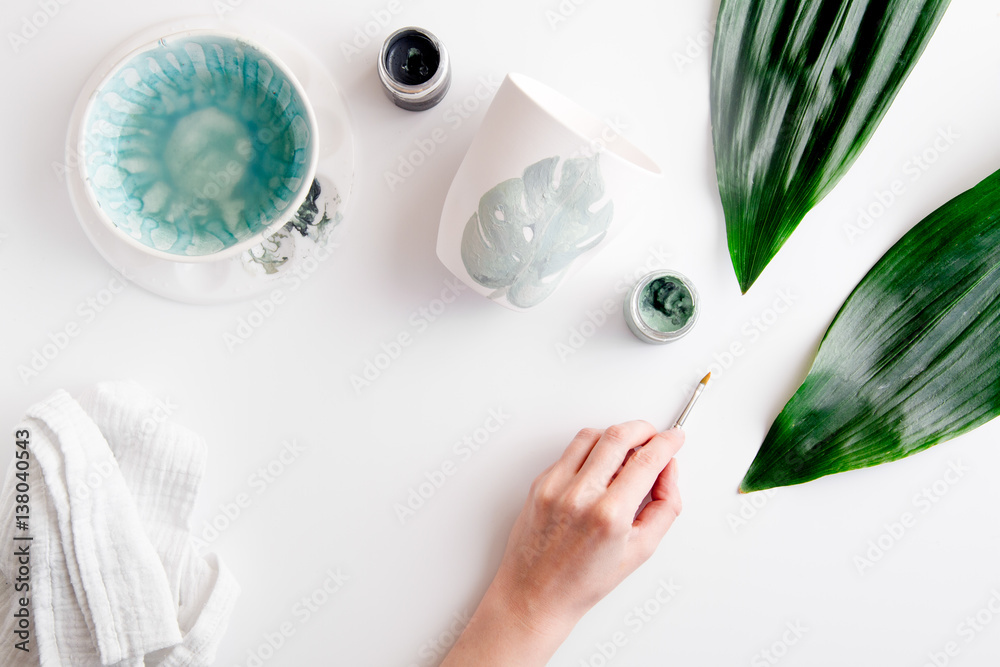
(414, 69)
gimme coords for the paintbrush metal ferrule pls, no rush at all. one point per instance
(690, 404)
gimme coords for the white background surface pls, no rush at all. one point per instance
(332, 507)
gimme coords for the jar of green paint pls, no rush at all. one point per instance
(661, 307)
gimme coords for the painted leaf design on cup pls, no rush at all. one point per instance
(529, 230)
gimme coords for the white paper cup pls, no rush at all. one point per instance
(543, 187)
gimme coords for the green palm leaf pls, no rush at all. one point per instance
(912, 358)
(798, 87)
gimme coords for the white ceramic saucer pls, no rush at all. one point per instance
(302, 242)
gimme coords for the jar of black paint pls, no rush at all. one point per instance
(414, 69)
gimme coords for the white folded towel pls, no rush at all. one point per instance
(114, 575)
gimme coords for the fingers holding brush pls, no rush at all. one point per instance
(611, 449)
(659, 513)
(576, 538)
(644, 467)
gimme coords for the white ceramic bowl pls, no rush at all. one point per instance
(197, 146)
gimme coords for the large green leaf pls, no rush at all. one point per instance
(912, 358)
(798, 87)
(529, 230)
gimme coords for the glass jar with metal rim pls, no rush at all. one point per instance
(414, 68)
(662, 307)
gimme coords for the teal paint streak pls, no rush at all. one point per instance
(197, 144)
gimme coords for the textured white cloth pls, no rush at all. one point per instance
(115, 577)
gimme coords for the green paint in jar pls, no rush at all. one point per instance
(662, 306)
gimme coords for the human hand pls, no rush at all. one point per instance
(577, 537)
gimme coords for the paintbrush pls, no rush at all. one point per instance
(694, 397)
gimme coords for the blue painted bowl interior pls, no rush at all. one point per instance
(197, 144)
